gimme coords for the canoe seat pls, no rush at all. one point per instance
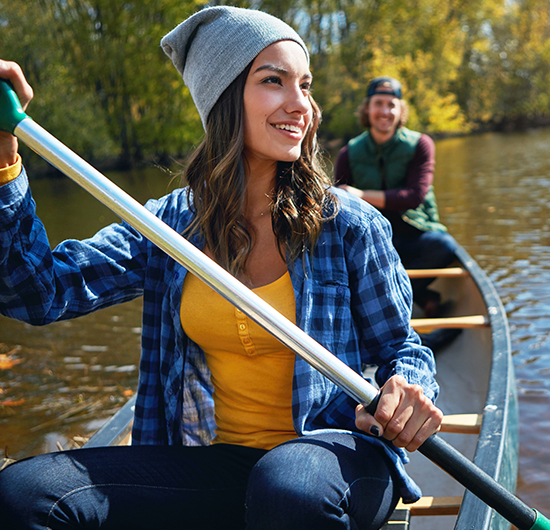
(400, 518)
(448, 272)
(471, 321)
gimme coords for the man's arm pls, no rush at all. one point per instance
(344, 179)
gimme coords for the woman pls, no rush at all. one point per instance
(226, 417)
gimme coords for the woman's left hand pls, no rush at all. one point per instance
(404, 415)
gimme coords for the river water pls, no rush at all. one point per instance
(493, 195)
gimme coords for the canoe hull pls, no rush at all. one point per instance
(476, 376)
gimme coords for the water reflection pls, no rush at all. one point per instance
(493, 194)
(71, 375)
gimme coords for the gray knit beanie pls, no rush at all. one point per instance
(211, 48)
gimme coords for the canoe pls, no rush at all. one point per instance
(478, 397)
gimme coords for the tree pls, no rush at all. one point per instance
(103, 83)
(512, 69)
(106, 53)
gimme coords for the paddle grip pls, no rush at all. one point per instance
(371, 407)
(11, 112)
(479, 483)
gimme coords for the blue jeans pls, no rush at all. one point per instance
(425, 250)
(330, 481)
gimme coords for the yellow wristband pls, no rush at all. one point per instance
(11, 172)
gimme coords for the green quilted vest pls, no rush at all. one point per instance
(384, 167)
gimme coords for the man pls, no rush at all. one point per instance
(391, 167)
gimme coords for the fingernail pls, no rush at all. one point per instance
(374, 430)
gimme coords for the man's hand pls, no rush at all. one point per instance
(375, 197)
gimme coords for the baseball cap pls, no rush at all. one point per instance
(384, 85)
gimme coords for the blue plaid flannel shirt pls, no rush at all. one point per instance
(353, 297)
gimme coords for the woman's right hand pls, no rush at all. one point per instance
(8, 143)
(404, 415)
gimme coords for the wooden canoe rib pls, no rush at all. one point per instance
(470, 321)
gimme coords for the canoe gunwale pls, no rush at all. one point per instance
(116, 428)
(497, 445)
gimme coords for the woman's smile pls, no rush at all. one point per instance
(277, 106)
(289, 128)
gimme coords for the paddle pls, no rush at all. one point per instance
(14, 120)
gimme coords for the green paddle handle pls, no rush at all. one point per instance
(541, 522)
(11, 112)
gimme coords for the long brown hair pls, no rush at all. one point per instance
(217, 184)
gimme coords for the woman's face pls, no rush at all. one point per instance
(277, 108)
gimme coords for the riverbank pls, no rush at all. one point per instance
(38, 168)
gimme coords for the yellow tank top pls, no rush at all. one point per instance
(251, 370)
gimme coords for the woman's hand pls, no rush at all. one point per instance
(8, 143)
(404, 415)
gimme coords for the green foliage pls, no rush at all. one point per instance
(513, 64)
(104, 86)
(65, 113)
(419, 42)
(102, 82)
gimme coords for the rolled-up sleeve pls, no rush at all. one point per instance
(38, 285)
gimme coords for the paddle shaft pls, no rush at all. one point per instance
(194, 260)
(445, 456)
(479, 483)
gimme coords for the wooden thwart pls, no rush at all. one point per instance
(426, 506)
(433, 506)
(461, 423)
(471, 321)
(449, 272)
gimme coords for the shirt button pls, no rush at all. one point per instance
(242, 326)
